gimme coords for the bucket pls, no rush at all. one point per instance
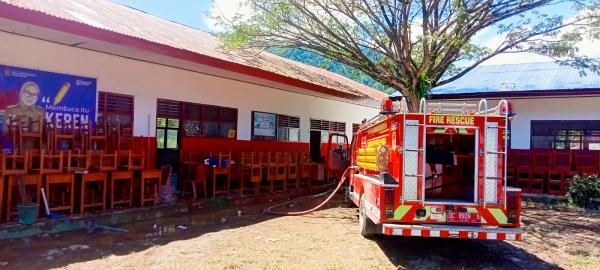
(27, 213)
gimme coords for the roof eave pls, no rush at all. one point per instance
(41, 19)
(520, 94)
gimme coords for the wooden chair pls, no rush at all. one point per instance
(585, 161)
(76, 161)
(251, 171)
(150, 184)
(305, 168)
(93, 191)
(42, 162)
(130, 160)
(121, 188)
(13, 163)
(97, 138)
(64, 133)
(277, 170)
(524, 170)
(281, 172)
(268, 167)
(222, 168)
(292, 168)
(64, 198)
(539, 171)
(10, 164)
(21, 132)
(109, 161)
(32, 183)
(561, 168)
(99, 160)
(124, 137)
(199, 177)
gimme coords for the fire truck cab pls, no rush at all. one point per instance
(440, 172)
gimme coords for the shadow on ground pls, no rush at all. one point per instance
(60, 250)
(439, 253)
(52, 251)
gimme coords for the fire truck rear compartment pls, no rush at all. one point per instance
(451, 162)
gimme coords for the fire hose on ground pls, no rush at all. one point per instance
(284, 213)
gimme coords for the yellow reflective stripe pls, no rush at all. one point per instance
(401, 211)
(498, 215)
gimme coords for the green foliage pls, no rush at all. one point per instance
(583, 188)
(331, 65)
(413, 45)
(423, 86)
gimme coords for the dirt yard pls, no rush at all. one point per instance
(328, 239)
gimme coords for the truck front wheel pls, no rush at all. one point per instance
(367, 227)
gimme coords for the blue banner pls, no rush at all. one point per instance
(59, 97)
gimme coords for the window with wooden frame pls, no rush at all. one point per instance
(116, 109)
(355, 128)
(168, 124)
(326, 127)
(196, 120)
(567, 134)
(288, 128)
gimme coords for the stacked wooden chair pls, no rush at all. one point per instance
(251, 171)
(222, 168)
(12, 167)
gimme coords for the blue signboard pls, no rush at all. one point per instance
(61, 98)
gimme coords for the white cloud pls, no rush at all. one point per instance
(491, 39)
(226, 9)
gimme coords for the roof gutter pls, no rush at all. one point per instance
(41, 19)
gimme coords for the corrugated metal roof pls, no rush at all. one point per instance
(107, 15)
(542, 76)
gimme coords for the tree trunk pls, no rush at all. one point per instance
(413, 103)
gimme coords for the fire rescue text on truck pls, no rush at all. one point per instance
(440, 172)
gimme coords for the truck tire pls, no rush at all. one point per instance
(367, 227)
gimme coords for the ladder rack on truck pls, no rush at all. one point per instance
(438, 172)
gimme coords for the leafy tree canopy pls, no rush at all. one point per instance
(415, 45)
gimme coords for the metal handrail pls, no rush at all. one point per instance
(404, 105)
(423, 105)
(505, 133)
(485, 111)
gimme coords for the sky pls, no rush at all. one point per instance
(199, 14)
(189, 12)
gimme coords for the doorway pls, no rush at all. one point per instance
(450, 171)
(167, 142)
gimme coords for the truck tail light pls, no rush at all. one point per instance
(513, 206)
(389, 202)
(382, 158)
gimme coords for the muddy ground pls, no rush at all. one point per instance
(328, 239)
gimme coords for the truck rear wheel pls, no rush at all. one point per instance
(367, 227)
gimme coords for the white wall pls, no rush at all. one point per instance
(545, 108)
(556, 108)
(148, 81)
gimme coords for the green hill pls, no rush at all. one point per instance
(333, 66)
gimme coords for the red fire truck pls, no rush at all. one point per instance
(440, 172)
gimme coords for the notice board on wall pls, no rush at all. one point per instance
(264, 125)
(60, 98)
